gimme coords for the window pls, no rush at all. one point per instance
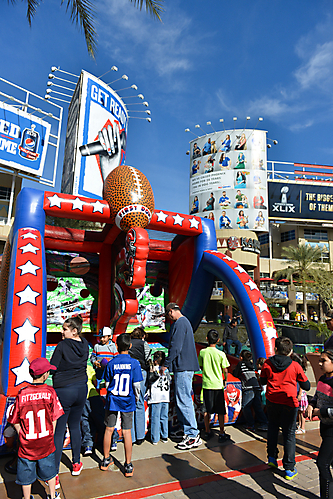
(263, 239)
(4, 193)
(287, 236)
(315, 235)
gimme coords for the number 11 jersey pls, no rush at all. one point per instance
(35, 408)
(121, 372)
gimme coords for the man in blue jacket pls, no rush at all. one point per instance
(182, 361)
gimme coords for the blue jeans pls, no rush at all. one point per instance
(92, 421)
(28, 471)
(159, 421)
(238, 344)
(72, 399)
(184, 403)
(285, 417)
(139, 420)
(252, 398)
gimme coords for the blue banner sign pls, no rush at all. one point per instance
(23, 140)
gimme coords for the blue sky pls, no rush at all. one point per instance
(206, 61)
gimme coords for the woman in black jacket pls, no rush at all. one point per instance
(70, 382)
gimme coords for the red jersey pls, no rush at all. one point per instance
(35, 408)
(282, 384)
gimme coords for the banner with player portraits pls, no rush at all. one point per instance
(228, 179)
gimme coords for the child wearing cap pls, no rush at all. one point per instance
(105, 348)
(34, 415)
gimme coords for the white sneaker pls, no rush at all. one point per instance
(190, 442)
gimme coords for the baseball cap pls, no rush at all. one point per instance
(105, 331)
(40, 366)
(329, 314)
(171, 306)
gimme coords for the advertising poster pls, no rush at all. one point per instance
(292, 201)
(23, 140)
(97, 126)
(228, 179)
(69, 299)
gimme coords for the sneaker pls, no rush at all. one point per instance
(208, 435)
(114, 446)
(154, 443)
(178, 433)
(248, 427)
(263, 427)
(164, 440)
(107, 461)
(189, 442)
(272, 462)
(77, 468)
(129, 470)
(87, 450)
(57, 496)
(290, 474)
(139, 441)
(223, 438)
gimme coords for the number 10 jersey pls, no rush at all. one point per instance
(121, 372)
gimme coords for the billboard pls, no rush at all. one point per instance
(228, 179)
(23, 140)
(295, 201)
(96, 137)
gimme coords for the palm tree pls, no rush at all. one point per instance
(82, 13)
(302, 265)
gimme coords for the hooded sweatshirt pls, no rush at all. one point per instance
(70, 357)
(281, 375)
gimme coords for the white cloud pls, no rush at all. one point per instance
(318, 70)
(163, 48)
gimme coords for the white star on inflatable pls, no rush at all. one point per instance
(26, 332)
(252, 285)
(270, 332)
(29, 235)
(262, 306)
(78, 204)
(240, 269)
(22, 372)
(28, 295)
(227, 257)
(98, 206)
(28, 268)
(161, 217)
(55, 200)
(178, 220)
(194, 223)
(29, 248)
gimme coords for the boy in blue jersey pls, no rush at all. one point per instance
(123, 376)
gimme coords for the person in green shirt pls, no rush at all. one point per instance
(214, 365)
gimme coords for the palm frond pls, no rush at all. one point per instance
(82, 13)
(154, 7)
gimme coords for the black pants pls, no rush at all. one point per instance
(72, 399)
(284, 417)
(324, 461)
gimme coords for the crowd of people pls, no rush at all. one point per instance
(273, 394)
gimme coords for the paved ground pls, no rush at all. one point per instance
(255, 485)
(231, 470)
